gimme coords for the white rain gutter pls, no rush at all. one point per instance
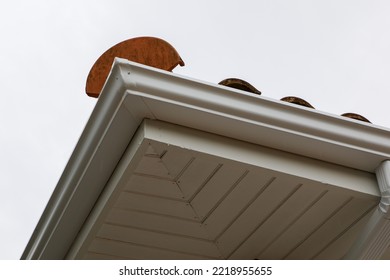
(134, 92)
(256, 119)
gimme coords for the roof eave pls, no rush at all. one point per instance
(134, 92)
(158, 94)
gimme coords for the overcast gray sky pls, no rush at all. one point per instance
(335, 54)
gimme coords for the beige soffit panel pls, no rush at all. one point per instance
(186, 194)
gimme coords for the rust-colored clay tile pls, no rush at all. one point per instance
(150, 51)
(158, 53)
(297, 100)
(356, 117)
(239, 84)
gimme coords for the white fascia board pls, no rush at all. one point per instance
(168, 97)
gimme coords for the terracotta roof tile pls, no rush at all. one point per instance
(356, 117)
(239, 84)
(244, 85)
(160, 54)
(297, 100)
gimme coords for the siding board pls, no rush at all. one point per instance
(139, 252)
(332, 228)
(311, 220)
(154, 186)
(237, 202)
(159, 240)
(195, 176)
(219, 185)
(155, 222)
(281, 220)
(257, 213)
(157, 205)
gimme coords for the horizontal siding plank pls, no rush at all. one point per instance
(195, 175)
(259, 210)
(159, 240)
(215, 189)
(386, 254)
(154, 186)
(145, 203)
(305, 225)
(340, 246)
(176, 160)
(236, 202)
(153, 166)
(291, 210)
(156, 223)
(133, 251)
(335, 226)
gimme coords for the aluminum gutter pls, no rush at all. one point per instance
(240, 115)
(134, 92)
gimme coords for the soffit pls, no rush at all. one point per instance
(386, 255)
(171, 197)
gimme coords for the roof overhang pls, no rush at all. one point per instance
(252, 118)
(135, 92)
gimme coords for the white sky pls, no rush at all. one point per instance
(335, 54)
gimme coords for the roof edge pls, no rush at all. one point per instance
(83, 178)
(238, 114)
